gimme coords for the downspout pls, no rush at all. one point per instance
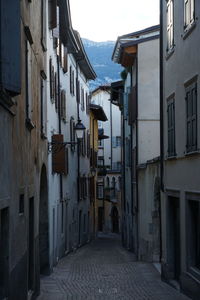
(161, 122)
(94, 180)
(131, 158)
(111, 137)
(60, 131)
(137, 194)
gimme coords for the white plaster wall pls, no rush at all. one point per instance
(148, 101)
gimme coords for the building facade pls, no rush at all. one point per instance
(138, 53)
(23, 174)
(180, 90)
(68, 164)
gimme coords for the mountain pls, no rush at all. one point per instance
(100, 54)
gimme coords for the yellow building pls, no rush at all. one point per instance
(96, 113)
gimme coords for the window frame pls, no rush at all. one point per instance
(191, 117)
(170, 25)
(171, 128)
(189, 16)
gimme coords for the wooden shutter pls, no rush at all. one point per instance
(52, 14)
(70, 79)
(59, 164)
(65, 64)
(191, 109)
(50, 78)
(10, 43)
(56, 91)
(63, 105)
(56, 31)
(43, 25)
(132, 106)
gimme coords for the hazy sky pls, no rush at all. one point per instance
(102, 20)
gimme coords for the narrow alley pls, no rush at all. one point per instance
(104, 270)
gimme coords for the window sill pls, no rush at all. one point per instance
(188, 30)
(29, 124)
(169, 53)
(171, 157)
(191, 153)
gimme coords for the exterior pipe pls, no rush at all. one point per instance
(161, 120)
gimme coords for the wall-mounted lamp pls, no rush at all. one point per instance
(56, 145)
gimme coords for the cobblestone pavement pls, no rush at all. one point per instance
(104, 270)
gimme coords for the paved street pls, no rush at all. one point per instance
(104, 270)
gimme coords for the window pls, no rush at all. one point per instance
(51, 81)
(88, 143)
(82, 99)
(171, 127)
(191, 117)
(170, 24)
(28, 66)
(63, 105)
(56, 90)
(189, 12)
(43, 112)
(71, 80)
(107, 181)
(77, 90)
(72, 133)
(52, 14)
(99, 191)
(118, 141)
(21, 204)
(43, 27)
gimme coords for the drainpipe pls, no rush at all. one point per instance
(111, 137)
(161, 121)
(137, 194)
(94, 181)
(60, 131)
(78, 150)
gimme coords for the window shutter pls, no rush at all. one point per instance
(52, 14)
(56, 31)
(43, 27)
(56, 91)
(65, 65)
(50, 78)
(10, 43)
(59, 164)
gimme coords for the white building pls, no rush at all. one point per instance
(138, 52)
(68, 161)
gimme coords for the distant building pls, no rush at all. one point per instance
(96, 114)
(109, 163)
(180, 132)
(138, 99)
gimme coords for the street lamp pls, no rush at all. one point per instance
(56, 146)
(79, 128)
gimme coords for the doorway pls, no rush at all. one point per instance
(100, 218)
(174, 237)
(4, 252)
(43, 224)
(115, 220)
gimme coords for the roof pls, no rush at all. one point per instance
(133, 39)
(101, 135)
(98, 112)
(105, 88)
(83, 60)
(72, 40)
